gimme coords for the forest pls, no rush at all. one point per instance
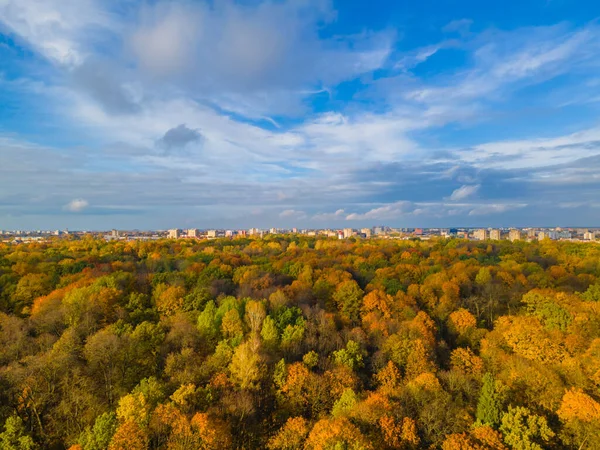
(296, 342)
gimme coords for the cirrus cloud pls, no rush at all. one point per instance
(464, 192)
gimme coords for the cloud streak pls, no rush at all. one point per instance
(464, 192)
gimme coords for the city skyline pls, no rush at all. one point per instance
(284, 229)
(298, 113)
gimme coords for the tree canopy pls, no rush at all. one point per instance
(297, 342)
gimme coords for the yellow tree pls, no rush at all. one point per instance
(465, 361)
(461, 321)
(129, 436)
(580, 415)
(399, 435)
(290, 436)
(333, 434)
(255, 314)
(389, 378)
(247, 365)
(479, 438)
(214, 433)
(169, 299)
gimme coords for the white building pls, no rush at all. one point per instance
(553, 235)
(514, 235)
(481, 234)
(495, 235)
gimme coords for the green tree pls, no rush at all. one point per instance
(15, 435)
(31, 286)
(208, 325)
(348, 297)
(269, 332)
(292, 335)
(489, 406)
(280, 373)
(524, 430)
(484, 277)
(351, 356)
(345, 403)
(311, 359)
(552, 315)
(592, 294)
(99, 436)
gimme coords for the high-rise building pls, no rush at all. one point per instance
(481, 234)
(348, 232)
(531, 233)
(211, 234)
(548, 234)
(514, 235)
(589, 236)
(192, 233)
(495, 235)
(366, 232)
(174, 234)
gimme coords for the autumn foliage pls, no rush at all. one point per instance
(295, 342)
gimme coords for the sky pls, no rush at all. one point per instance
(299, 113)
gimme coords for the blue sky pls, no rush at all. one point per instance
(308, 113)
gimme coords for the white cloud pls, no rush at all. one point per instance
(464, 192)
(167, 37)
(76, 205)
(484, 210)
(292, 214)
(256, 60)
(413, 59)
(56, 28)
(503, 62)
(337, 215)
(226, 67)
(392, 211)
(460, 26)
(537, 152)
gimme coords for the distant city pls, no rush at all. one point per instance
(376, 232)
